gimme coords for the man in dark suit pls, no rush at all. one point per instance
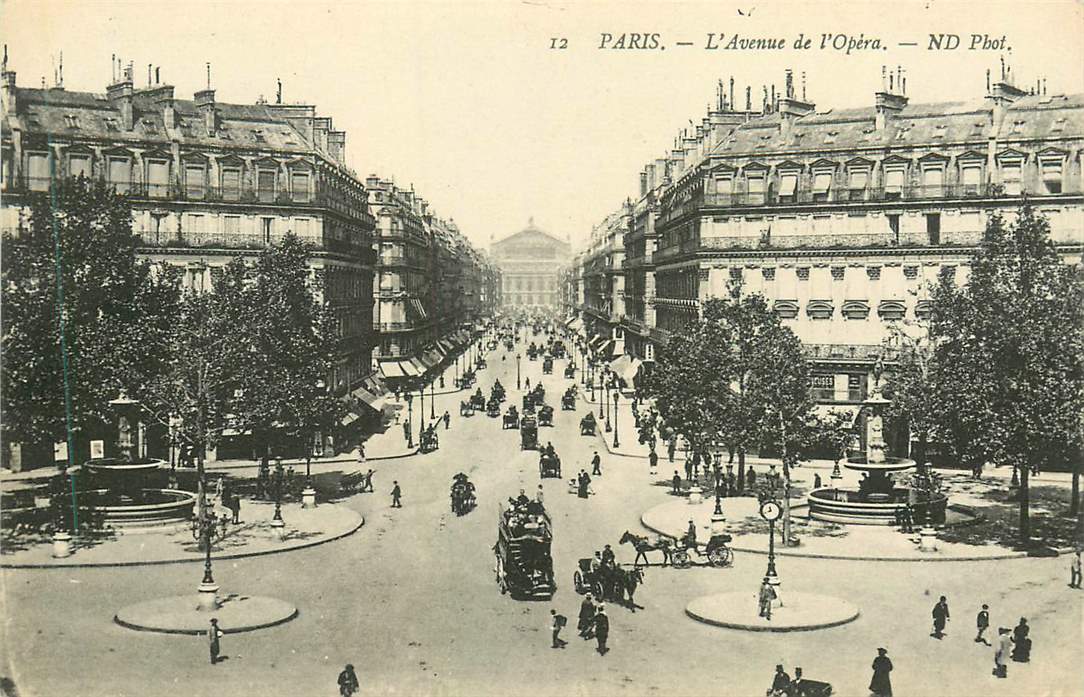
(602, 629)
(940, 617)
(587, 616)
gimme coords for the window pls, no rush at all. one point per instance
(265, 184)
(301, 226)
(71, 120)
(195, 181)
(933, 227)
(79, 166)
(300, 187)
(1051, 176)
(971, 178)
(157, 178)
(266, 227)
(37, 171)
(193, 223)
(933, 179)
(120, 174)
(1010, 178)
(756, 188)
(822, 183)
(724, 186)
(788, 186)
(894, 183)
(859, 181)
(894, 226)
(823, 387)
(231, 224)
(231, 184)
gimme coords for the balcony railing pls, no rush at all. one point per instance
(225, 240)
(840, 195)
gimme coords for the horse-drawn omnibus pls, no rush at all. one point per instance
(524, 567)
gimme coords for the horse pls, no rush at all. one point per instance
(625, 581)
(643, 544)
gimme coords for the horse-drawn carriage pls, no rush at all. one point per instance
(429, 440)
(463, 500)
(588, 424)
(549, 466)
(568, 400)
(497, 392)
(570, 370)
(558, 349)
(545, 415)
(523, 564)
(716, 552)
(539, 393)
(493, 409)
(465, 408)
(528, 433)
(532, 352)
(608, 582)
(511, 419)
(478, 400)
(547, 365)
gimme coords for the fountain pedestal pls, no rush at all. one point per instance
(695, 495)
(62, 544)
(927, 540)
(208, 597)
(278, 528)
(308, 497)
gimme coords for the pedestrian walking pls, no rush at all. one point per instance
(940, 617)
(1001, 655)
(1021, 651)
(765, 598)
(653, 460)
(348, 681)
(235, 507)
(406, 431)
(881, 684)
(602, 629)
(982, 623)
(361, 455)
(750, 478)
(1074, 570)
(690, 535)
(585, 485)
(447, 418)
(213, 635)
(539, 495)
(694, 470)
(587, 616)
(676, 482)
(367, 485)
(596, 465)
(558, 623)
(671, 448)
(689, 470)
(817, 480)
(396, 495)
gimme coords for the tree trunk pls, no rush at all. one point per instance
(1025, 519)
(923, 443)
(1074, 499)
(786, 481)
(741, 469)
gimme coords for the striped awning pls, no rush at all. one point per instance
(434, 357)
(446, 346)
(392, 369)
(414, 367)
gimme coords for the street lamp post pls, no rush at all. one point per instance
(421, 412)
(518, 383)
(432, 400)
(277, 481)
(606, 396)
(600, 378)
(616, 442)
(409, 419)
(204, 529)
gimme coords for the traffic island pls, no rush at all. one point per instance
(798, 612)
(182, 614)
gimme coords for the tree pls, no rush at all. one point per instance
(912, 389)
(1014, 337)
(114, 308)
(290, 349)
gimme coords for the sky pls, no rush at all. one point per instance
(468, 102)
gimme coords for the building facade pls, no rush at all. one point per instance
(842, 218)
(604, 283)
(530, 262)
(431, 285)
(207, 181)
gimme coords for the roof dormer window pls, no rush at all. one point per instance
(71, 120)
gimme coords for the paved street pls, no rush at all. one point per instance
(411, 601)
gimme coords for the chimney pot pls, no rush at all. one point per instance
(205, 103)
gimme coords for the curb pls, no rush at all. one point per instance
(230, 629)
(784, 552)
(770, 629)
(163, 562)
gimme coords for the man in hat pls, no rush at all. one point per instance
(447, 419)
(1074, 570)
(213, 634)
(881, 684)
(982, 622)
(348, 681)
(940, 617)
(676, 483)
(766, 596)
(780, 682)
(602, 629)
(587, 615)
(596, 465)
(558, 623)
(396, 494)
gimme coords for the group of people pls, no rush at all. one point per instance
(594, 623)
(583, 484)
(1014, 643)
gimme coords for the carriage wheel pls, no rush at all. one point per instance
(597, 589)
(728, 556)
(681, 558)
(577, 581)
(717, 557)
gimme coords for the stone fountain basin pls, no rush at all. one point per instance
(842, 506)
(166, 507)
(890, 464)
(109, 465)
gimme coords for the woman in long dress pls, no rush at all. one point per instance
(881, 684)
(1001, 655)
